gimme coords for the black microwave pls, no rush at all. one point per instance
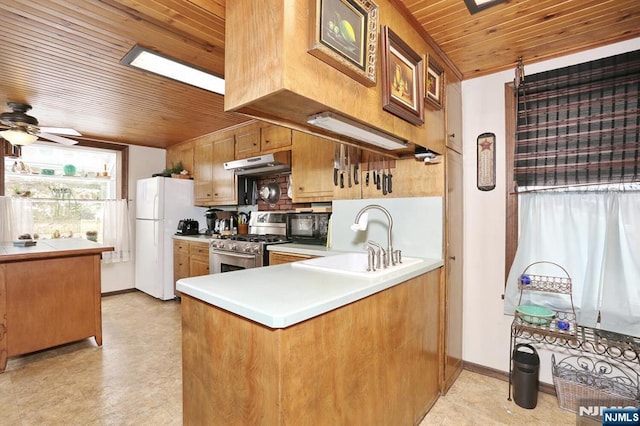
(308, 228)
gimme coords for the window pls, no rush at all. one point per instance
(67, 186)
(575, 195)
(579, 125)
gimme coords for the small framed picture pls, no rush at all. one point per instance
(344, 34)
(402, 78)
(434, 83)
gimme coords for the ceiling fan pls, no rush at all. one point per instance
(21, 129)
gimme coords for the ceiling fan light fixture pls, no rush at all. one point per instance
(150, 61)
(18, 137)
(61, 131)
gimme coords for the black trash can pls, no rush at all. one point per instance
(525, 373)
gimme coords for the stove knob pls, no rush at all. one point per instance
(256, 248)
(233, 247)
(247, 249)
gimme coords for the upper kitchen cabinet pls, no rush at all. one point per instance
(311, 168)
(270, 75)
(259, 138)
(454, 115)
(274, 138)
(248, 141)
(181, 153)
(213, 185)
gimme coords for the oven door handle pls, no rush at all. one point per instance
(233, 254)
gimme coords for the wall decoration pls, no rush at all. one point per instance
(402, 78)
(486, 161)
(344, 35)
(434, 83)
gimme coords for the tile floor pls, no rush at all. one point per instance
(135, 379)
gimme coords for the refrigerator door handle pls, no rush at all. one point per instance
(156, 212)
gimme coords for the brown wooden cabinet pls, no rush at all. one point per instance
(259, 138)
(213, 185)
(203, 172)
(311, 168)
(365, 367)
(190, 259)
(278, 257)
(49, 296)
(274, 138)
(451, 308)
(225, 190)
(248, 141)
(181, 153)
(198, 259)
(454, 115)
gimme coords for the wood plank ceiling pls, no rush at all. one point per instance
(62, 56)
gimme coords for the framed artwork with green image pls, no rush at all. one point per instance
(343, 33)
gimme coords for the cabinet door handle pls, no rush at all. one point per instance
(452, 257)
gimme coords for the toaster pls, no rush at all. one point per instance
(188, 227)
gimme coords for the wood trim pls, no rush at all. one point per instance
(124, 152)
(504, 376)
(511, 224)
(402, 9)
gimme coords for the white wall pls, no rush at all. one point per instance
(143, 162)
(486, 329)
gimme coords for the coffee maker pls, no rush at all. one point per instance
(211, 215)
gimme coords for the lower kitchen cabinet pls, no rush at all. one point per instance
(190, 259)
(198, 259)
(278, 257)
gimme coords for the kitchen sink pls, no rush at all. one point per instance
(352, 264)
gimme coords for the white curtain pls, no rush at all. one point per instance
(595, 237)
(116, 231)
(16, 217)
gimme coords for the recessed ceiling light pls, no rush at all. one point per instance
(476, 6)
(147, 60)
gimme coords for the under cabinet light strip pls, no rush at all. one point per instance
(353, 129)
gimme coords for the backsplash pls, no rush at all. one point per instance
(284, 203)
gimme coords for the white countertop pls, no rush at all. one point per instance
(308, 249)
(282, 295)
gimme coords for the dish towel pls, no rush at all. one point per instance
(116, 231)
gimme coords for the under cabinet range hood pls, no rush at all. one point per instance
(262, 165)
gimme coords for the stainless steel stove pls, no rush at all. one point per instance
(236, 252)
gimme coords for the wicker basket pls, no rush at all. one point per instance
(583, 381)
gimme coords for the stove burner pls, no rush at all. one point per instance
(259, 238)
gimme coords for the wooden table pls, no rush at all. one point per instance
(49, 295)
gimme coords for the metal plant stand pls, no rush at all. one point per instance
(563, 329)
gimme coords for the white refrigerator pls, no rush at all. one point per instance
(160, 204)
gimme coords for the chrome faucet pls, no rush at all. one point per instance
(361, 224)
(379, 264)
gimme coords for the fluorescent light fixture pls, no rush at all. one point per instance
(18, 137)
(60, 131)
(353, 129)
(476, 6)
(147, 60)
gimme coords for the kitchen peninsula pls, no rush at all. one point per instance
(290, 345)
(49, 295)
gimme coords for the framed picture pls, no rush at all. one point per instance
(344, 35)
(402, 78)
(434, 84)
